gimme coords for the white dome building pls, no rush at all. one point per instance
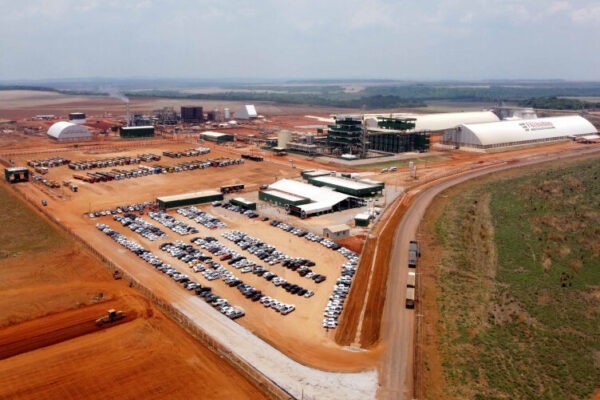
(517, 133)
(66, 131)
(438, 122)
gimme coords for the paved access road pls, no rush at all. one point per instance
(398, 330)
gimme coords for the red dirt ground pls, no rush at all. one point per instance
(50, 346)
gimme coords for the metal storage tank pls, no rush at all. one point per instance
(226, 114)
(283, 138)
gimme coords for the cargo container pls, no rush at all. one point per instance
(410, 298)
(413, 245)
(412, 259)
(412, 279)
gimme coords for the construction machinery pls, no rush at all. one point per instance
(112, 316)
(117, 275)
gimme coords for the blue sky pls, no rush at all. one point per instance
(206, 39)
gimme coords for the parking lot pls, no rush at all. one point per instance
(289, 288)
(263, 273)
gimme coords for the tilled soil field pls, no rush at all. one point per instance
(51, 295)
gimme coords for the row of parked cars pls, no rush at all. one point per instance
(187, 152)
(104, 162)
(136, 207)
(203, 291)
(240, 262)
(340, 291)
(272, 256)
(212, 270)
(172, 223)
(49, 162)
(235, 208)
(139, 226)
(202, 217)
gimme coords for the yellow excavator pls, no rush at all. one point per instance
(112, 316)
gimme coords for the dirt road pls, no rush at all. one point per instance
(399, 323)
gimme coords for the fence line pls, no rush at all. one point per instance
(273, 389)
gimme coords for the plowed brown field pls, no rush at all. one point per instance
(51, 294)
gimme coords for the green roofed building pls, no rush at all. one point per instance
(361, 220)
(245, 204)
(359, 188)
(136, 131)
(189, 199)
(281, 198)
(217, 137)
(313, 173)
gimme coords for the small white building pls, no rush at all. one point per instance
(64, 131)
(247, 112)
(336, 231)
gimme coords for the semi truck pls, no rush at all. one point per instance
(412, 279)
(414, 252)
(410, 298)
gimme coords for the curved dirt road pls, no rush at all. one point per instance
(398, 328)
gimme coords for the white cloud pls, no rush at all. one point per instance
(589, 14)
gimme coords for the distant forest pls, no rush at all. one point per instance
(555, 103)
(545, 95)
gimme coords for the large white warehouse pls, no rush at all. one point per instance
(66, 131)
(439, 122)
(517, 133)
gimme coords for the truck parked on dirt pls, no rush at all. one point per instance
(414, 252)
(412, 279)
(410, 298)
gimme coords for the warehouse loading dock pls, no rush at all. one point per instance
(189, 199)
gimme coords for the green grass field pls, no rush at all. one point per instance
(22, 228)
(520, 286)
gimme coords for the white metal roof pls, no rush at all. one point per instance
(187, 196)
(362, 216)
(520, 131)
(139, 127)
(439, 122)
(323, 199)
(246, 112)
(214, 134)
(349, 183)
(338, 228)
(285, 196)
(317, 172)
(66, 130)
(244, 201)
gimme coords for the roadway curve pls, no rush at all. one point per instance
(398, 330)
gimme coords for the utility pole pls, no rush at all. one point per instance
(363, 139)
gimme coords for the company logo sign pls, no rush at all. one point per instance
(532, 126)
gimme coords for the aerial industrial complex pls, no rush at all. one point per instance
(278, 241)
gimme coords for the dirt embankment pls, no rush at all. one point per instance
(51, 294)
(370, 297)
